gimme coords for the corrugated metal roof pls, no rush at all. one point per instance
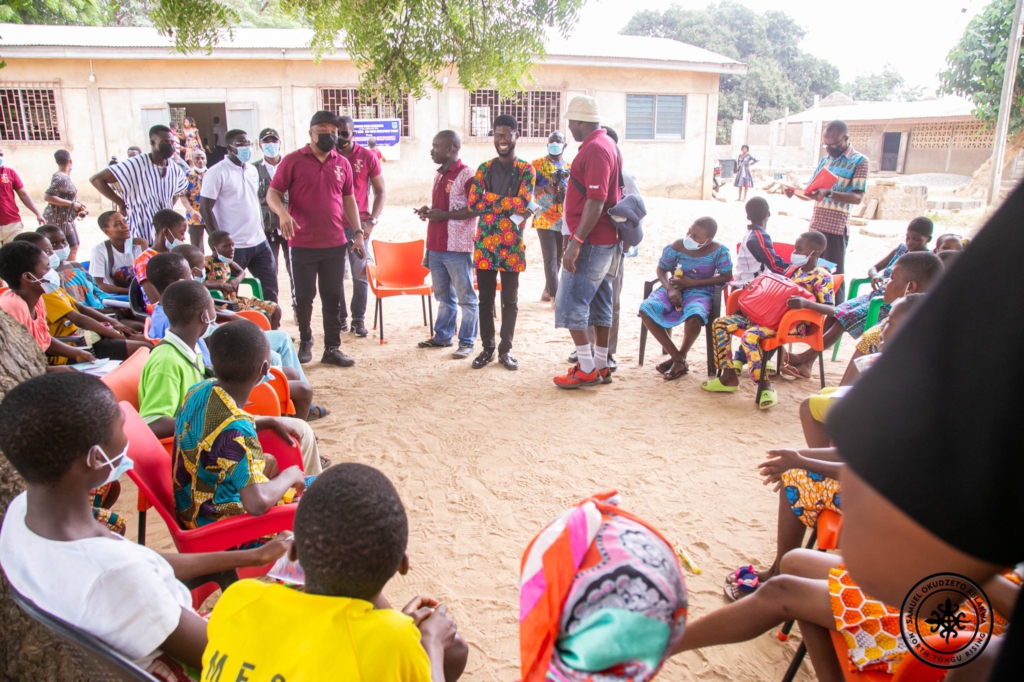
(591, 48)
(946, 107)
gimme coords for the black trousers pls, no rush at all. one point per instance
(551, 247)
(328, 267)
(835, 251)
(487, 283)
(261, 264)
(279, 247)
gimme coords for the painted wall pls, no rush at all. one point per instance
(103, 118)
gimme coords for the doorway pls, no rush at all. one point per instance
(890, 151)
(203, 113)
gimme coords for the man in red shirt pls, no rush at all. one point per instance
(451, 233)
(366, 172)
(318, 181)
(584, 295)
(10, 216)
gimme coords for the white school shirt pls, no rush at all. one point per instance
(123, 593)
(236, 190)
(98, 266)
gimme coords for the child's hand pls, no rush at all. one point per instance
(273, 550)
(299, 484)
(797, 302)
(675, 297)
(781, 461)
(420, 608)
(281, 427)
(121, 329)
(229, 287)
(686, 282)
(438, 628)
(83, 356)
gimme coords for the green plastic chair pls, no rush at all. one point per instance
(874, 310)
(256, 289)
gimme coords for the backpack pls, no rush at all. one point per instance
(765, 299)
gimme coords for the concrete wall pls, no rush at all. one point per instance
(103, 118)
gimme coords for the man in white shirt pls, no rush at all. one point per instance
(229, 201)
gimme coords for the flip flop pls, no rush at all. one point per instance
(741, 583)
(737, 366)
(317, 412)
(672, 376)
(324, 462)
(716, 386)
(767, 400)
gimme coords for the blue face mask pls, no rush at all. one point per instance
(271, 150)
(1, 161)
(222, 258)
(173, 243)
(244, 154)
(123, 464)
(555, 148)
(62, 254)
(199, 278)
(798, 259)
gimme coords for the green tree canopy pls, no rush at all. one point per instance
(887, 86)
(780, 73)
(977, 63)
(61, 12)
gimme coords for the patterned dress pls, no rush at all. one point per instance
(80, 286)
(499, 241)
(216, 271)
(743, 177)
(195, 186)
(192, 142)
(62, 216)
(696, 300)
(853, 313)
(549, 193)
(808, 494)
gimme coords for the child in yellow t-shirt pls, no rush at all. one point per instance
(351, 532)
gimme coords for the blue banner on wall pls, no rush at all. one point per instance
(387, 132)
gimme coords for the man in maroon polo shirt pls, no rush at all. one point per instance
(10, 216)
(365, 173)
(318, 181)
(584, 295)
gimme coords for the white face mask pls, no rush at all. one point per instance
(173, 243)
(691, 244)
(798, 259)
(119, 464)
(54, 261)
(50, 282)
(63, 253)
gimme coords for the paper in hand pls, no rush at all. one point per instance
(289, 572)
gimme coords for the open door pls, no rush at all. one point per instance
(154, 114)
(242, 115)
(890, 151)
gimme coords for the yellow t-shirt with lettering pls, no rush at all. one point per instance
(263, 632)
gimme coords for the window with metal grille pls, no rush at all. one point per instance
(28, 113)
(349, 102)
(655, 117)
(537, 111)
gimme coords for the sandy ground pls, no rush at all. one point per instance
(484, 459)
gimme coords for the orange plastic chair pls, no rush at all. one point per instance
(263, 401)
(279, 382)
(124, 379)
(146, 328)
(399, 271)
(257, 317)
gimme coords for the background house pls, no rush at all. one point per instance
(96, 90)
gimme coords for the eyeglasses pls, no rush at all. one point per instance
(504, 136)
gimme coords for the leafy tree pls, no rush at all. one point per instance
(62, 12)
(780, 74)
(887, 86)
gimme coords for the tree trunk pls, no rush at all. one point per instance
(27, 650)
(978, 187)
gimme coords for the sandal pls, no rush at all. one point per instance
(317, 412)
(716, 386)
(324, 462)
(672, 376)
(737, 366)
(740, 583)
(767, 400)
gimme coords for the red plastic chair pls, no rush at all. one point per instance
(255, 317)
(152, 475)
(124, 379)
(399, 271)
(279, 382)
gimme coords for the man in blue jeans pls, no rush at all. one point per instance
(451, 229)
(584, 296)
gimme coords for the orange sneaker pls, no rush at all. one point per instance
(576, 377)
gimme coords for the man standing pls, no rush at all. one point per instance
(371, 144)
(450, 242)
(230, 202)
(190, 199)
(501, 195)
(10, 216)
(219, 144)
(319, 184)
(552, 178)
(589, 264)
(831, 215)
(149, 182)
(270, 146)
(365, 172)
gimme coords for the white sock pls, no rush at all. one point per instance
(600, 357)
(585, 357)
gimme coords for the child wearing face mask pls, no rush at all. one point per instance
(220, 268)
(169, 229)
(805, 272)
(757, 253)
(52, 552)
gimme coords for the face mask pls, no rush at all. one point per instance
(62, 254)
(174, 242)
(344, 143)
(124, 464)
(691, 244)
(325, 141)
(200, 170)
(835, 151)
(50, 282)
(199, 278)
(271, 149)
(166, 150)
(211, 326)
(555, 148)
(798, 259)
(222, 258)
(1, 161)
(244, 154)
(54, 261)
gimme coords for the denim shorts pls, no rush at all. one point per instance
(585, 297)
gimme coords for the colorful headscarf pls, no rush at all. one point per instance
(601, 597)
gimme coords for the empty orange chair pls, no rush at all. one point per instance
(256, 317)
(124, 379)
(399, 271)
(284, 392)
(263, 401)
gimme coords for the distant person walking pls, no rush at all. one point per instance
(371, 144)
(10, 216)
(193, 142)
(220, 149)
(744, 180)
(149, 182)
(191, 200)
(62, 205)
(270, 147)
(552, 173)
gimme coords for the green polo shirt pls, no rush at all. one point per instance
(171, 369)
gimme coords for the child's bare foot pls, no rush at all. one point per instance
(663, 367)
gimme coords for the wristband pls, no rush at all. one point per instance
(578, 239)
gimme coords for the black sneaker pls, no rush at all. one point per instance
(305, 352)
(359, 328)
(485, 358)
(344, 325)
(612, 365)
(510, 363)
(334, 356)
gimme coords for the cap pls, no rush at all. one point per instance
(323, 117)
(583, 108)
(268, 132)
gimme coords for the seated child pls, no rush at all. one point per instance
(220, 268)
(757, 253)
(112, 262)
(871, 341)
(53, 552)
(168, 231)
(351, 533)
(850, 315)
(26, 270)
(219, 469)
(74, 279)
(689, 270)
(948, 242)
(805, 272)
